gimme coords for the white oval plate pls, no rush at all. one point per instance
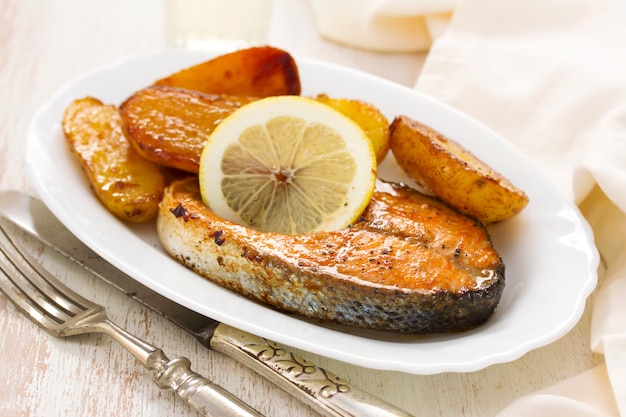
(548, 249)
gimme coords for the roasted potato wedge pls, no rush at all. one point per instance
(170, 126)
(128, 185)
(450, 172)
(369, 118)
(259, 71)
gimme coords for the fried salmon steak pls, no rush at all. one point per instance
(410, 264)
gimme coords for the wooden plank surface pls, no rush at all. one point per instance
(46, 44)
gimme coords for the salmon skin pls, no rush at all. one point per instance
(411, 264)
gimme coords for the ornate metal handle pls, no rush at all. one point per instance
(320, 389)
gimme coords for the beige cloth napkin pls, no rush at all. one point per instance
(550, 76)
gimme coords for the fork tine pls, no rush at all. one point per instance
(34, 290)
(52, 307)
(23, 303)
(29, 307)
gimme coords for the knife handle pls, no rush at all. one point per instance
(205, 396)
(320, 389)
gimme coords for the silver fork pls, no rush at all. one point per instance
(62, 312)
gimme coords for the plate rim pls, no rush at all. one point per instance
(335, 353)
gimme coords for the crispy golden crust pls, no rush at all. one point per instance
(128, 185)
(170, 126)
(369, 118)
(453, 174)
(260, 71)
(410, 265)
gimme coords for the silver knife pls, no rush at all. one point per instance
(320, 389)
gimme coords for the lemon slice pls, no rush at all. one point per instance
(289, 165)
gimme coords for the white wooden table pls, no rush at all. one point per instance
(45, 44)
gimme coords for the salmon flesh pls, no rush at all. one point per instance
(411, 264)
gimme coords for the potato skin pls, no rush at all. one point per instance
(260, 71)
(369, 118)
(170, 126)
(450, 172)
(128, 185)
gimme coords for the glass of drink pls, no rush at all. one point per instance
(218, 24)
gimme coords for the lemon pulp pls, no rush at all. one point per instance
(288, 165)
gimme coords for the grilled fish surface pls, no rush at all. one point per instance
(411, 264)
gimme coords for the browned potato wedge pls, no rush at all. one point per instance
(452, 173)
(369, 118)
(259, 71)
(170, 126)
(128, 185)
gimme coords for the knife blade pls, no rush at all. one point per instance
(320, 389)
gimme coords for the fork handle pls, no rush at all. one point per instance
(207, 397)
